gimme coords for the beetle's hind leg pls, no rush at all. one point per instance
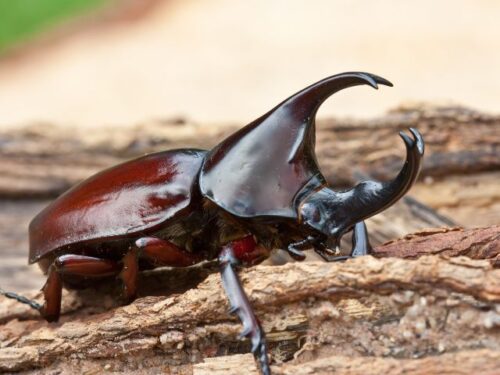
(241, 306)
(75, 265)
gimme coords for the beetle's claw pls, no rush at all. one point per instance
(296, 253)
(419, 141)
(259, 347)
(259, 350)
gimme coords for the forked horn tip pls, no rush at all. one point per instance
(416, 142)
(375, 80)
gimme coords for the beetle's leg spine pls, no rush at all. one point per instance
(233, 309)
(31, 303)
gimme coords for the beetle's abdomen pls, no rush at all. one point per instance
(134, 197)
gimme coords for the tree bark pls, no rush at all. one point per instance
(433, 310)
(482, 243)
(431, 314)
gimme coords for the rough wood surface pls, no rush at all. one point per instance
(467, 362)
(481, 243)
(434, 313)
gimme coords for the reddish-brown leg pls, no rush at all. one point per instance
(129, 274)
(52, 290)
(71, 264)
(165, 253)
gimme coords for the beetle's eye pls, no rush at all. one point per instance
(316, 215)
(311, 213)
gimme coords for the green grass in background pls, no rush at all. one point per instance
(23, 19)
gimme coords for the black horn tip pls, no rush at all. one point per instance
(415, 143)
(419, 139)
(371, 79)
(382, 81)
(407, 140)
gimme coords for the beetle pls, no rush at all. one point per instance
(258, 190)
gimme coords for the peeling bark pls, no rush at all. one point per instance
(481, 243)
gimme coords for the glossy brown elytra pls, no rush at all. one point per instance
(258, 190)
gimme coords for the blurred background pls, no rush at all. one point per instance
(111, 62)
(149, 75)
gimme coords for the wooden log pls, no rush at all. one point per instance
(466, 362)
(437, 314)
(432, 313)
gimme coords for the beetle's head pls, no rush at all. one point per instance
(326, 213)
(333, 213)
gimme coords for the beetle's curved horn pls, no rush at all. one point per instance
(306, 102)
(303, 106)
(278, 148)
(370, 197)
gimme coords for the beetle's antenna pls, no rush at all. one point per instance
(33, 304)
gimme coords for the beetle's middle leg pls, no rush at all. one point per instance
(165, 253)
(156, 250)
(360, 242)
(70, 264)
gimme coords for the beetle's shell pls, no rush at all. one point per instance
(253, 173)
(124, 201)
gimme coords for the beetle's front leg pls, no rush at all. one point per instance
(241, 306)
(360, 242)
(360, 245)
(295, 249)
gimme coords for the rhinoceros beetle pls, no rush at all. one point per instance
(259, 189)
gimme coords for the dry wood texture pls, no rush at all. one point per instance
(482, 243)
(434, 313)
(430, 311)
